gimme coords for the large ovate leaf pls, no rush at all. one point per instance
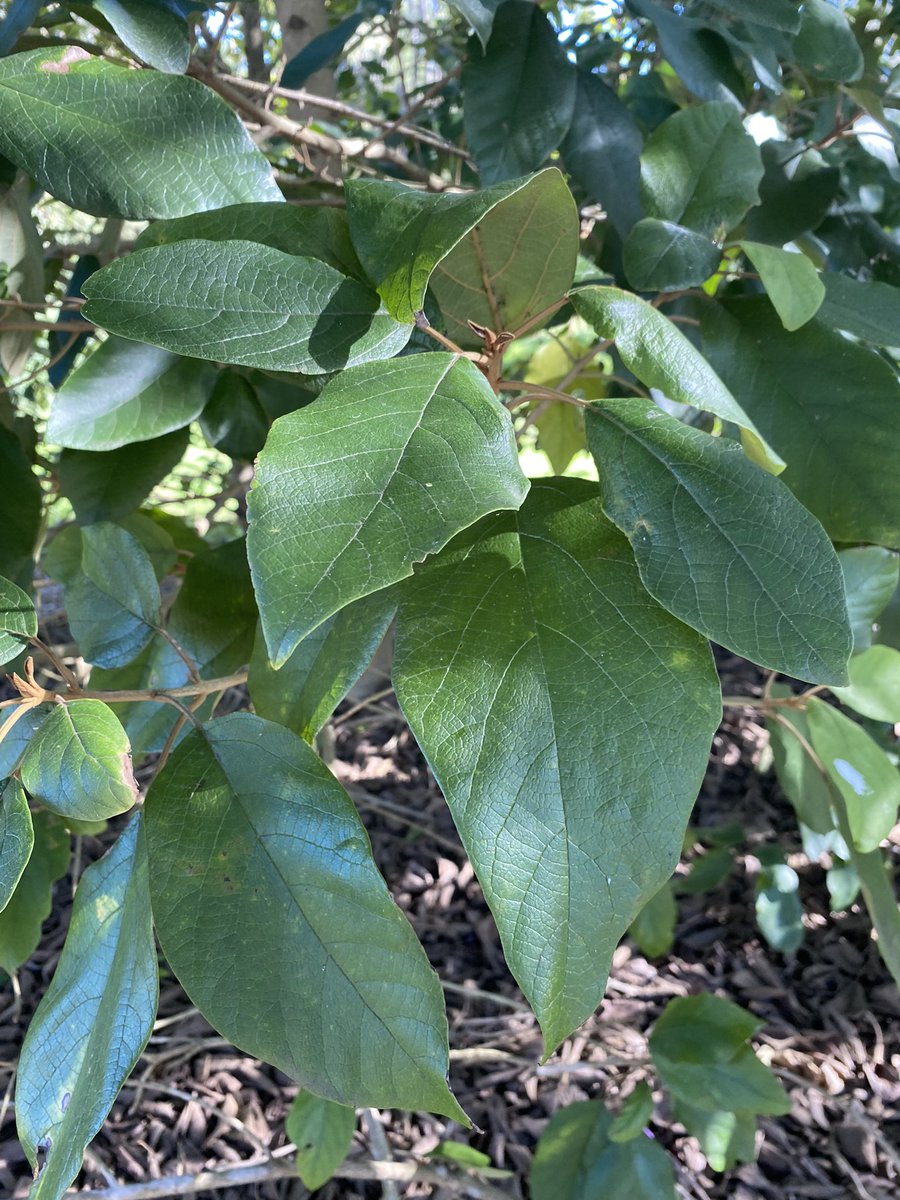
(874, 688)
(871, 575)
(867, 780)
(95, 1018)
(122, 143)
(700, 169)
(870, 310)
(536, 674)
(387, 465)
(308, 232)
(513, 264)
(20, 510)
(272, 914)
(826, 404)
(127, 392)
(18, 620)
(304, 692)
(78, 764)
(107, 485)
(662, 256)
(700, 57)
(518, 98)
(791, 281)
(825, 45)
(16, 838)
(401, 234)
(659, 354)
(720, 543)
(576, 1159)
(152, 30)
(322, 1131)
(245, 303)
(30, 904)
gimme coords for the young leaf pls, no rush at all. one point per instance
(871, 575)
(519, 260)
(726, 1138)
(384, 468)
(18, 620)
(504, 642)
(862, 773)
(20, 508)
(576, 1158)
(870, 310)
(653, 929)
(107, 485)
(304, 692)
(518, 98)
(659, 354)
(813, 379)
(779, 911)
(792, 283)
(721, 543)
(272, 914)
(874, 688)
(322, 1131)
(95, 1018)
(78, 764)
(662, 256)
(127, 392)
(244, 303)
(700, 169)
(842, 881)
(173, 148)
(402, 234)
(153, 31)
(16, 838)
(30, 904)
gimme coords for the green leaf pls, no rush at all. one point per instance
(465, 1156)
(15, 741)
(95, 1018)
(792, 283)
(504, 642)
(700, 169)
(792, 383)
(153, 31)
(636, 1113)
(653, 929)
(402, 234)
(575, 1159)
(877, 885)
(479, 14)
(662, 256)
(16, 838)
(707, 872)
(602, 150)
(699, 57)
(560, 434)
(272, 914)
(18, 620)
(20, 510)
(721, 543)
(659, 354)
(319, 232)
(519, 97)
(519, 260)
(699, 1047)
(157, 541)
(867, 780)
(870, 311)
(774, 14)
(112, 597)
(842, 881)
(127, 392)
(726, 1138)
(305, 691)
(322, 1131)
(29, 907)
(779, 912)
(798, 775)
(825, 45)
(173, 148)
(79, 763)
(107, 485)
(234, 420)
(871, 575)
(874, 688)
(387, 465)
(245, 303)
(791, 204)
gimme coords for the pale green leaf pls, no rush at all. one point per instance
(779, 911)
(322, 1131)
(18, 620)
(505, 642)
(95, 1018)
(78, 764)
(721, 543)
(30, 904)
(726, 1138)
(659, 354)
(825, 44)
(791, 281)
(245, 303)
(874, 688)
(653, 929)
(127, 392)
(387, 465)
(272, 914)
(800, 779)
(15, 741)
(16, 838)
(479, 14)
(842, 881)
(862, 773)
(871, 575)
(123, 143)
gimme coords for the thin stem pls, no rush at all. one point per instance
(533, 389)
(193, 673)
(65, 673)
(543, 315)
(203, 687)
(422, 323)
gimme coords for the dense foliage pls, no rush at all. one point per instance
(579, 355)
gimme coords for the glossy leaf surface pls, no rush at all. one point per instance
(18, 620)
(504, 641)
(663, 256)
(152, 30)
